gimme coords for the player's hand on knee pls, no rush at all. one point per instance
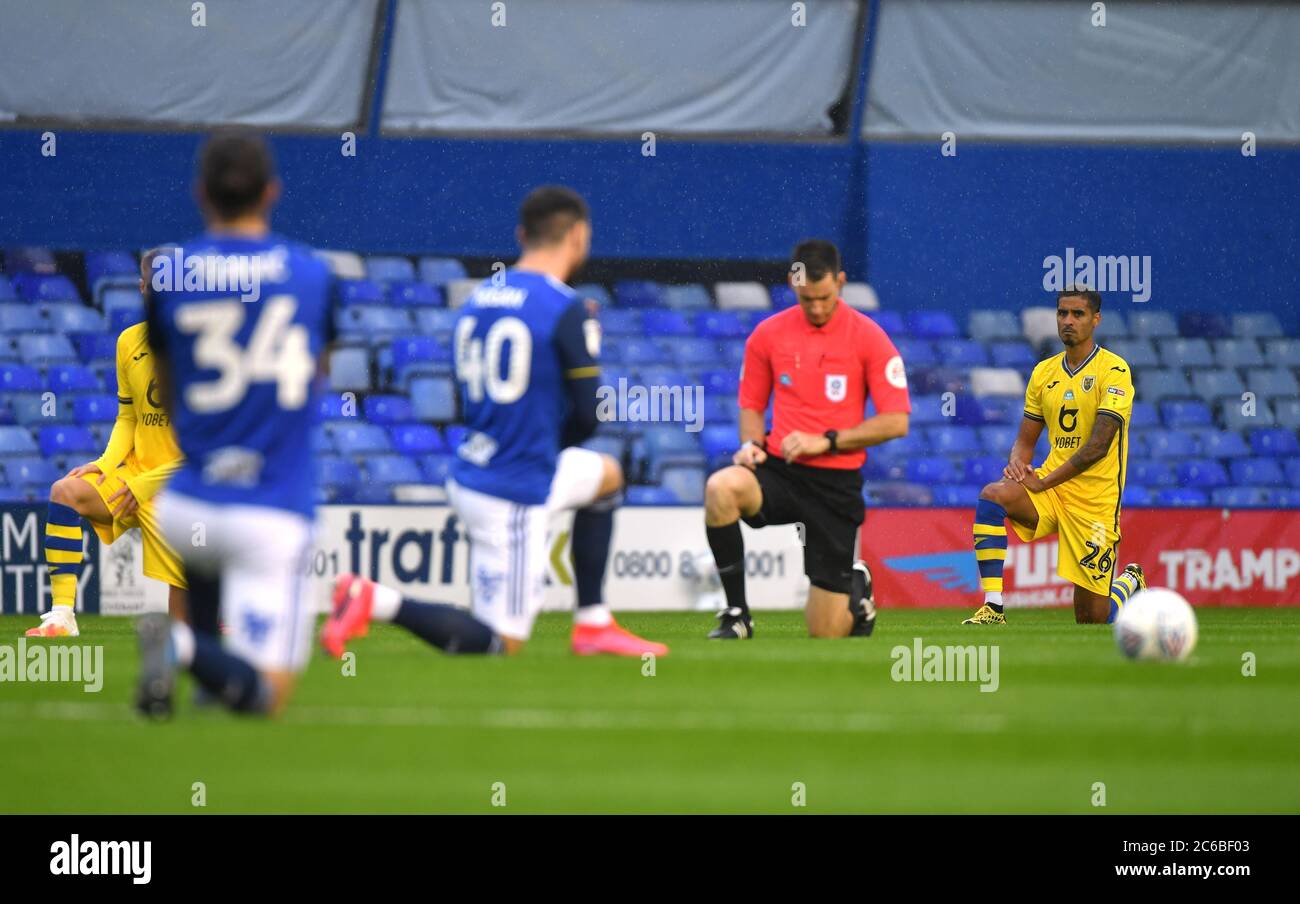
(1015, 470)
(126, 505)
(89, 467)
(750, 455)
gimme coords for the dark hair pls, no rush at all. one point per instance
(234, 169)
(549, 212)
(1092, 296)
(818, 256)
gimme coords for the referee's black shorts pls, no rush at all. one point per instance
(828, 503)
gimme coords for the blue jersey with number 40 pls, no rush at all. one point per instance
(518, 339)
(242, 322)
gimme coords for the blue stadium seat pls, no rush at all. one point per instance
(360, 292)
(1241, 497)
(1288, 412)
(1185, 353)
(101, 264)
(998, 440)
(613, 446)
(720, 410)
(322, 442)
(1144, 415)
(1259, 325)
(120, 296)
(1015, 354)
(662, 445)
(1273, 441)
(1205, 324)
(420, 353)
(45, 287)
(1216, 383)
(1182, 497)
(892, 323)
(1154, 385)
(16, 441)
(440, 270)
(20, 378)
(387, 269)
(1137, 352)
(1282, 352)
(1241, 352)
(337, 471)
(954, 440)
(665, 323)
(931, 469)
(694, 352)
(635, 352)
(620, 322)
(961, 353)
(29, 259)
(95, 409)
(1223, 444)
(638, 495)
(1290, 466)
(1137, 496)
(685, 483)
(122, 318)
(992, 326)
(720, 325)
(932, 325)
(1285, 498)
(67, 378)
(1171, 444)
(45, 349)
(1258, 472)
(390, 469)
(691, 297)
(997, 409)
(417, 439)
(360, 439)
(733, 351)
(1138, 447)
(335, 406)
(1270, 382)
(1232, 417)
(1113, 326)
(656, 375)
(65, 440)
(1150, 473)
(17, 317)
(411, 294)
(31, 409)
(982, 469)
(435, 468)
(638, 293)
(901, 494)
(1152, 325)
(29, 471)
(434, 399)
(435, 321)
(97, 348)
(956, 495)
(594, 292)
(1201, 473)
(1186, 413)
(349, 368)
(386, 410)
(782, 297)
(916, 352)
(718, 439)
(7, 292)
(71, 317)
(927, 410)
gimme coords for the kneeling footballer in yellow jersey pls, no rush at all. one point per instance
(115, 492)
(1084, 397)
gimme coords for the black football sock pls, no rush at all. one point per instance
(728, 547)
(227, 677)
(593, 531)
(449, 628)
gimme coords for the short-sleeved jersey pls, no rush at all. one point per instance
(243, 366)
(154, 442)
(513, 357)
(1069, 403)
(819, 378)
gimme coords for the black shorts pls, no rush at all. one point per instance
(828, 503)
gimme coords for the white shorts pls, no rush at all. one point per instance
(507, 559)
(259, 554)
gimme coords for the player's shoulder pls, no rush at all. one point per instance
(864, 328)
(1046, 366)
(777, 322)
(133, 337)
(1107, 361)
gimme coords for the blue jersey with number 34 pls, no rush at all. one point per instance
(243, 366)
(515, 348)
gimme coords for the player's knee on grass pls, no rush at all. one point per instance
(1090, 608)
(827, 613)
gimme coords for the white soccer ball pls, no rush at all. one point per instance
(1156, 623)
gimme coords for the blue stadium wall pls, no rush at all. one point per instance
(928, 231)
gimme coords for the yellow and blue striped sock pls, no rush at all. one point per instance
(63, 544)
(991, 549)
(1122, 587)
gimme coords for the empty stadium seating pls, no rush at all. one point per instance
(1215, 422)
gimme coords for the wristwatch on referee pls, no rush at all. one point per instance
(834, 437)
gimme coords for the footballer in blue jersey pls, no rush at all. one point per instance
(526, 366)
(238, 319)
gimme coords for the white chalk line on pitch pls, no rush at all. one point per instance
(541, 719)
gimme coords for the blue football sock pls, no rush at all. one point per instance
(449, 628)
(593, 530)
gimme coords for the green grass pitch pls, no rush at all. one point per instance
(719, 727)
